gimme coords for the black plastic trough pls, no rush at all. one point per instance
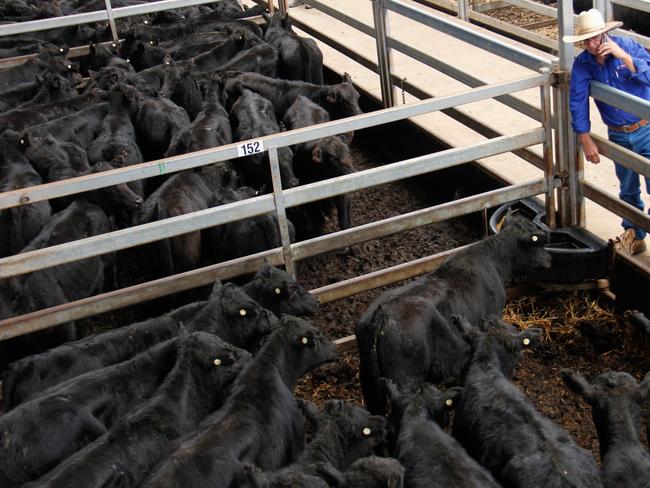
(577, 254)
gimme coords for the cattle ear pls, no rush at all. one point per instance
(451, 395)
(578, 384)
(167, 60)
(310, 411)
(466, 329)
(331, 95)
(644, 386)
(216, 289)
(251, 473)
(41, 64)
(333, 405)
(316, 155)
(346, 78)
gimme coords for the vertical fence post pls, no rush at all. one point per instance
(111, 20)
(462, 9)
(566, 142)
(282, 6)
(547, 150)
(281, 211)
(383, 55)
(605, 8)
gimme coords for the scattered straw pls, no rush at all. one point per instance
(559, 314)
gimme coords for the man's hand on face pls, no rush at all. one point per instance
(607, 46)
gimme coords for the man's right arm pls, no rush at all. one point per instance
(589, 147)
(579, 108)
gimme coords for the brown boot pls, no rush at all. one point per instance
(627, 243)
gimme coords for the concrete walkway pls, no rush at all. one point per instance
(468, 58)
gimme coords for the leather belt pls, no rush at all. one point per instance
(629, 128)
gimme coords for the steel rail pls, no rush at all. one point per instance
(417, 218)
(172, 284)
(620, 99)
(458, 115)
(622, 156)
(464, 33)
(614, 204)
(170, 165)
(97, 16)
(465, 78)
(643, 5)
(383, 277)
(143, 234)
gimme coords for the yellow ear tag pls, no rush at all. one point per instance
(242, 312)
(151, 43)
(69, 66)
(449, 402)
(367, 431)
(61, 49)
(535, 238)
(304, 340)
(278, 291)
(526, 341)
(217, 362)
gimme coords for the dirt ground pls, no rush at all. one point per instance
(581, 332)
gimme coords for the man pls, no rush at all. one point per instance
(623, 64)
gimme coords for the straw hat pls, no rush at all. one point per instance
(590, 24)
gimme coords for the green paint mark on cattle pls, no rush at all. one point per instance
(161, 168)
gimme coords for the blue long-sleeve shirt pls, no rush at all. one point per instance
(613, 73)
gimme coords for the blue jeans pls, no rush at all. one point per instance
(629, 183)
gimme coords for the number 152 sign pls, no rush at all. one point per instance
(249, 148)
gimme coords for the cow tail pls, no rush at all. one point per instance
(371, 374)
(307, 67)
(16, 237)
(13, 376)
(164, 245)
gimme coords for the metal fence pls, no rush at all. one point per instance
(285, 198)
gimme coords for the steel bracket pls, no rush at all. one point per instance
(560, 78)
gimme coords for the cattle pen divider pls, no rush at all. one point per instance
(555, 177)
(125, 238)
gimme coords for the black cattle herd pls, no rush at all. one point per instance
(202, 396)
(179, 81)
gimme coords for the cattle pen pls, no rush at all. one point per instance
(535, 86)
(562, 184)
